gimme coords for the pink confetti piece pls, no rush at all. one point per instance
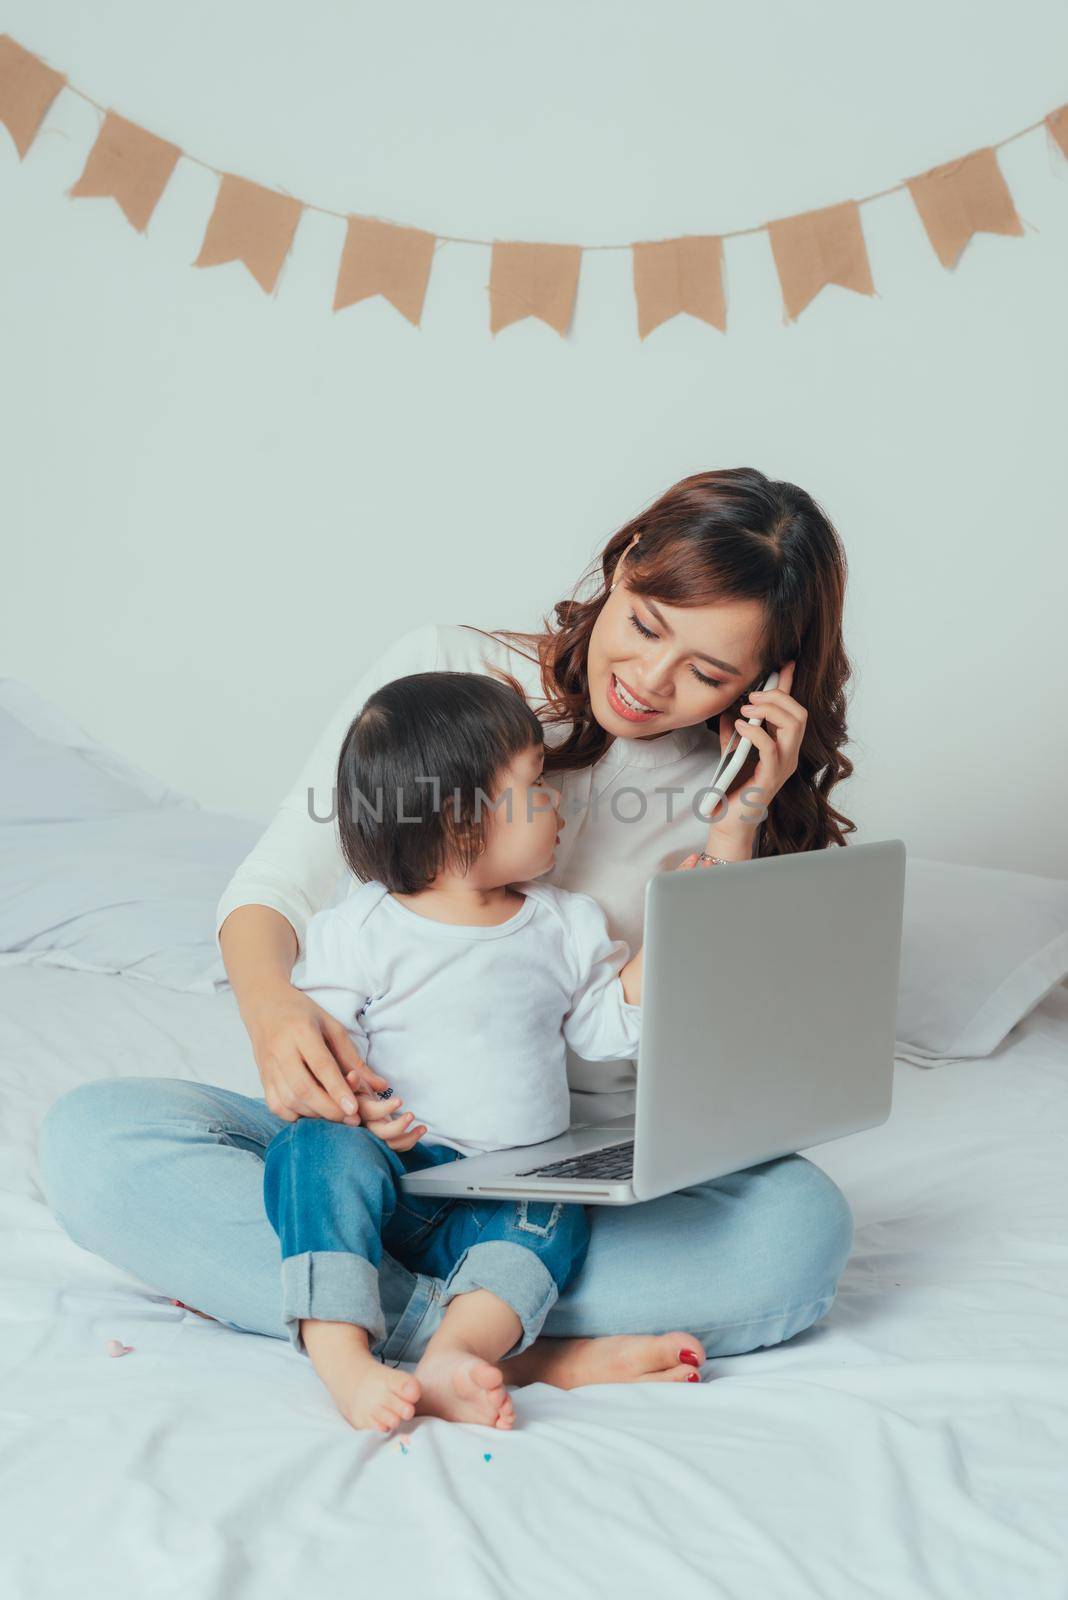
(117, 1348)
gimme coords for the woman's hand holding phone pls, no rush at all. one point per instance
(776, 745)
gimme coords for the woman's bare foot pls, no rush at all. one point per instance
(462, 1387)
(617, 1358)
(368, 1394)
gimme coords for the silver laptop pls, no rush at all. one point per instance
(769, 1006)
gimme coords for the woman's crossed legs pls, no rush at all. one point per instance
(164, 1178)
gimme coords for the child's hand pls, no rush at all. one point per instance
(399, 1134)
(305, 1058)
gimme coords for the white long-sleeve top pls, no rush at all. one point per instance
(628, 816)
(470, 1025)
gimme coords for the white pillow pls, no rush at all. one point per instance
(53, 768)
(102, 867)
(134, 894)
(980, 948)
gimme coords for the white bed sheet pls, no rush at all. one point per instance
(914, 1443)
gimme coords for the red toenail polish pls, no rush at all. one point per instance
(690, 1358)
(693, 1378)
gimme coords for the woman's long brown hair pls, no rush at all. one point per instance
(726, 535)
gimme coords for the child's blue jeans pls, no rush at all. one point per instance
(333, 1196)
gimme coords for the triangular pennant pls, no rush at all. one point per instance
(1057, 123)
(380, 258)
(128, 165)
(250, 224)
(27, 89)
(533, 280)
(962, 198)
(817, 248)
(674, 275)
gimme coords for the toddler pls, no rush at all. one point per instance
(459, 978)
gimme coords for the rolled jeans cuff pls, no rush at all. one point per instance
(331, 1286)
(515, 1275)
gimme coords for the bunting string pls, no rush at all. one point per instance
(255, 225)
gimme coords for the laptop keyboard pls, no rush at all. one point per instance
(614, 1161)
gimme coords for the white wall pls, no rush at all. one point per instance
(218, 506)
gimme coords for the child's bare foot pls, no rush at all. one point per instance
(368, 1394)
(615, 1358)
(462, 1387)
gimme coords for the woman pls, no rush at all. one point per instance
(725, 578)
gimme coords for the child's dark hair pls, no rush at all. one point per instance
(463, 729)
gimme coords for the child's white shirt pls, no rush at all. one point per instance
(470, 1025)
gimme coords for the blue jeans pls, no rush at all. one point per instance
(164, 1178)
(332, 1195)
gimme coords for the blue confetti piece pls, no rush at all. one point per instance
(487, 1456)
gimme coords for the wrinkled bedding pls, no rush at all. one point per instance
(913, 1443)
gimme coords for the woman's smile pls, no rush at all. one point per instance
(625, 703)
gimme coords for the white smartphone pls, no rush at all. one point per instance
(732, 759)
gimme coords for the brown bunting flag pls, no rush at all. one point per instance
(961, 198)
(533, 280)
(380, 258)
(818, 248)
(27, 89)
(673, 275)
(1057, 123)
(130, 166)
(252, 225)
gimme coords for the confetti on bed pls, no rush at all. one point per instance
(117, 1348)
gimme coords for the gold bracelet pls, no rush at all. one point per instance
(717, 861)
